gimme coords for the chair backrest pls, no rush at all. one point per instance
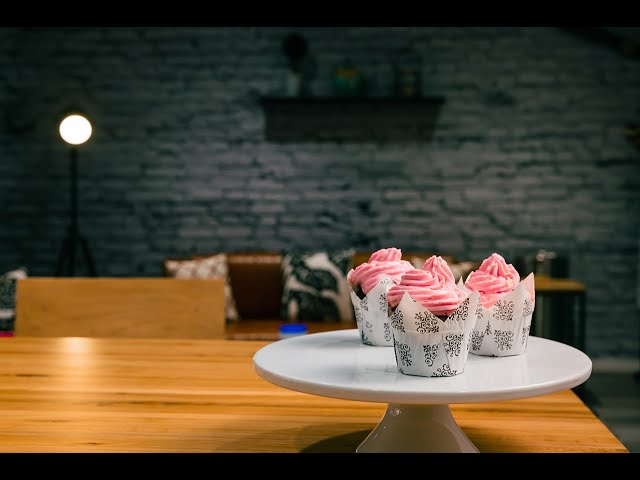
(120, 307)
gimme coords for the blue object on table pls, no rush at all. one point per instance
(292, 330)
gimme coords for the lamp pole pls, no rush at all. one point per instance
(73, 210)
(73, 239)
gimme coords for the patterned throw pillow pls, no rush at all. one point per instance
(214, 266)
(8, 299)
(315, 287)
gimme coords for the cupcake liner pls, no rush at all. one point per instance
(503, 329)
(372, 314)
(426, 346)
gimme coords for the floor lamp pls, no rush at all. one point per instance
(75, 129)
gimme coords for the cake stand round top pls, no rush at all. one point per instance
(336, 364)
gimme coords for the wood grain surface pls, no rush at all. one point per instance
(139, 395)
(120, 307)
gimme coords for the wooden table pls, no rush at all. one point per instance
(137, 395)
(268, 329)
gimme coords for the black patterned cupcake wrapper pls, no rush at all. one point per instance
(503, 329)
(372, 315)
(433, 354)
(427, 346)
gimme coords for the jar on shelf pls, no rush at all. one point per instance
(407, 78)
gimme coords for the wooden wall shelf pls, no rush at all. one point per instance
(291, 119)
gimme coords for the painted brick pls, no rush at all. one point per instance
(528, 152)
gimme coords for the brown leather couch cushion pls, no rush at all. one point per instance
(256, 279)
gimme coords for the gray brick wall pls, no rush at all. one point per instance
(528, 152)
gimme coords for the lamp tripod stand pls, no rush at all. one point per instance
(74, 240)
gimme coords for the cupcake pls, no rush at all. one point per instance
(369, 283)
(431, 321)
(506, 308)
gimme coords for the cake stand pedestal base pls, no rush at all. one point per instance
(417, 428)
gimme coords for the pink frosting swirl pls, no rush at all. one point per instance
(493, 279)
(433, 287)
(385, 261)
(386, 255)
(439, 267)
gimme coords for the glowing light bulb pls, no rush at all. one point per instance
(75, 129)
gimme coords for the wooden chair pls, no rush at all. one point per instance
(120, 307)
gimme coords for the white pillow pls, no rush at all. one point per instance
(315, 287)
(8, 297)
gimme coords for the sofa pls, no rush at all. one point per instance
(261, 286)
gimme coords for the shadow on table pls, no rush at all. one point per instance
(349, 442)
(306, 439)
(313, 439)
(346, 443)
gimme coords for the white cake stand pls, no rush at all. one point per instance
(418, 419)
